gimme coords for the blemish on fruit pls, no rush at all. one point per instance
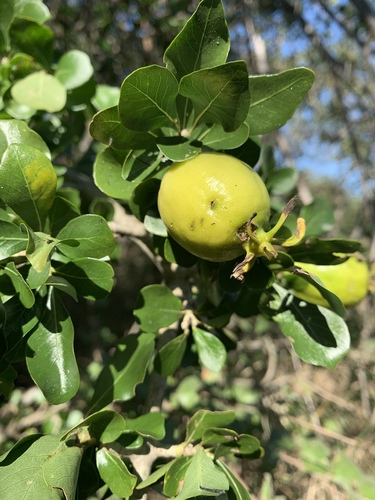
(212, 203)
(192, 225)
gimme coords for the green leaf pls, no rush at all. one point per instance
(106, 127)
(204, 419)
(74, 69)
(174, 476)
(218, 139)
(274, 98)
(62, 285)
(322, 251)
(50, 355)
(40, 467)
(156, 475)
(211, 351)
(108, 175)
(148, 99)
(219, 95)
(32, 10)
(178, 148)
(39, 249)
(7, 378)
(202, 43)
(27, 183)
(91, 278)
(17, 132)
(282, 181)
(12, 239)
(125, 370)
(40, 91)
(332, 299)
(36, 279)
(105, 426)
(236, 485)
(105, 96)
(157, 307)
(203, 477)
(318, 335)
(63, 210)
(170, 355)
(151, 425)
(93, 235)
(26, 296)
(155, 225)
(319, 217)
(114, 473)
(6, 17)
(33, 39)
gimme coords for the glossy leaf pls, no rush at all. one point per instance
(203, 420)
(318, 335)
(149, 425)
(218, 139)
(108, 175)
(236, 485)
(124, 371)
(27, 183)
(23, 290)
(40, 467)
(114, 473)
(155, 225)
(274, 98)
(93, 235)
(178, 148)
(219, 95)
(202, 43)
(148, 99)
(203, 477)
(91, 278)
(50, 355)
(157, 307)
(12, 239)
(211, 351)
(40, 91)
(74, 69)
(17, 132)
(106, 127)
(213, 436)
(170, 355)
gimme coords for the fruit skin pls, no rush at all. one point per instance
(348, 280)
(205, 200)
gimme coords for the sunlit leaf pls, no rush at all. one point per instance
(17, 132)
(219, 95)
(114, 473)
(204, 419)
(211, 351)
(74, 69)
(148, 99)
(274, 98)
(40, 91)
(202, 43)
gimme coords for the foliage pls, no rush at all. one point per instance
(56, 247)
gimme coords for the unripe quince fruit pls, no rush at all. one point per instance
(204, 201)
(348, 280)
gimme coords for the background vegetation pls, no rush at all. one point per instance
(317, 426)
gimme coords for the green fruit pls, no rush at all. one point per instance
(206, 200)
(349, 281)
